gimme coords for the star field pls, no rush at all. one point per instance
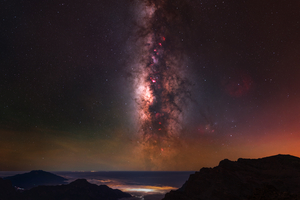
(67, 99)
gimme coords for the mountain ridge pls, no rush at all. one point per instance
(35, 178)
(79, 189)
(273, 177)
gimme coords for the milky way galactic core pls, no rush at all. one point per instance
(160, 83)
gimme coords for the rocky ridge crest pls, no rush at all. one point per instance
(276, 177)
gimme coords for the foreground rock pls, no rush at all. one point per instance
(35, 178)
(276, 177)
(77, 190)
(7, 190)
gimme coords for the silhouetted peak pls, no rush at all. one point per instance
(80, 183)
(37, 171)
(41, 173)
(225, 162)
(79, 189)
(275, 177)
(35, 178)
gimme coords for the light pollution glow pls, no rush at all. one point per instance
(117, 184)
(145, 188)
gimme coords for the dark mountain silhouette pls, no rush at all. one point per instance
(77, 190)
(35, 178)
(276, 177)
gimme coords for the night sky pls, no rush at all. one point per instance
(68, 82)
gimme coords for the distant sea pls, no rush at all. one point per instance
(143, 185)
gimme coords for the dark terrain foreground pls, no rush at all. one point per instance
(276, 177)
(77, 190)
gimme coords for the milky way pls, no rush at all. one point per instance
(161, 87)
(147, 85)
